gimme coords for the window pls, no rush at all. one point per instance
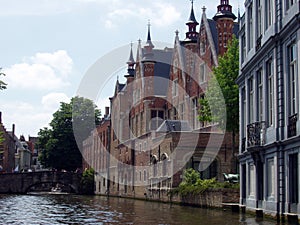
(195, 121)
(251, 100)
(260, 95)
(202, 73)
(244, 110)
(243, 47)
(175, 87)
(270, 178)
(269, 13)
(289, 3)
(259, 18)
(141, 123)
(175, 116)
(252, 180)
(164, 167)
(292, 57)
(270, 91)
(145, 175)
(181, 111)
(157, 117)
(293, 178)
(250, 27)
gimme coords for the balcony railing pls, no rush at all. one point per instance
(256, 134)
(292, 128)
(243, 145)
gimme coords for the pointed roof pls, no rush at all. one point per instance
(149, 42)
(224, 11)
(192, 34)
(192, 18)
(174, 126)
(131, 61)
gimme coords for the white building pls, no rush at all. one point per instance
(269, 84)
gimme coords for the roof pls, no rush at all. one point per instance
(214, 32)
(162, 66)
(174, 125)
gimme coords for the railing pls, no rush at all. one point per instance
(292, 128)
(258, 42)
(243, 145)
(256, 134)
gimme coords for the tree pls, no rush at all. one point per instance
(224, 78)
(1, 138)
(2, 84)
(88, 182)
(58, 145)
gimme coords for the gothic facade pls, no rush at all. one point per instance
(154, 128)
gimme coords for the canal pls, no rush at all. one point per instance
(76, 209)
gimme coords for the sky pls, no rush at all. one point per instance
(47, 47)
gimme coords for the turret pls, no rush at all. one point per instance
(224, 19)
(130, 68)
(192, 34)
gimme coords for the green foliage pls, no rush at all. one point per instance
(2, 84)
(193, 185)
(88, 182)
(1, 137)
(58, 145)
(224, 79)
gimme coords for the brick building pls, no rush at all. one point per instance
(155, 132)
(7, 148)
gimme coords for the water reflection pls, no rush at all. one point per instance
(74, 209)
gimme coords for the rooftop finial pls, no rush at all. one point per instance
(192, 15)
(149, 42)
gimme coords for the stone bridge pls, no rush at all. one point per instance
(21, 183)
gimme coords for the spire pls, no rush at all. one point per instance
(130, 63)
(192, 34)
(149, 42)
(192, 15)
(224, 10)
(148, 55)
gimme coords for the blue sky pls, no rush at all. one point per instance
(46, 47)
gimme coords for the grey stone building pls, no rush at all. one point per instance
(269, 106)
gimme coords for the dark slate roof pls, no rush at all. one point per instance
(120, 87)
(214, 33)
(236, 28)
(174, 125)
(162, 68)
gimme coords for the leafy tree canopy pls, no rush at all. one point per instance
(224, 79)
(58, 143)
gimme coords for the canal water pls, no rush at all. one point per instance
(76, 209)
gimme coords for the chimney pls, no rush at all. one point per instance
(106, 111)
(13, 130)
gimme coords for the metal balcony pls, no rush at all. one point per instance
(256, 134)
(292, 125)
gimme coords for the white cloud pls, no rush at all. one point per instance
(161, 14)
(30, 117)
(51, 101)
(44, 71)
(59, 60)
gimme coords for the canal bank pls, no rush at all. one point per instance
(226, 200)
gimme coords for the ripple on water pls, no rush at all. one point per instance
(73, 209)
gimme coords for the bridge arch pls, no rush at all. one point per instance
(21, 183)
